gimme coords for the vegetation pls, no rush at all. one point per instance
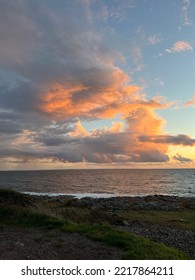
(134, 247)
(184, 219)
(22, 210)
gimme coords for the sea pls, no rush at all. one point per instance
(102, 182)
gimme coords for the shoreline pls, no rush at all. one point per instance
(108, 202)
(117, 204)
(105, 195)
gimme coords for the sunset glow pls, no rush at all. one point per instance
(97, 84)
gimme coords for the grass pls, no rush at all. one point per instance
(134, 247)
(10, 197)
(13, 212)
(19, 216)
(184, 219)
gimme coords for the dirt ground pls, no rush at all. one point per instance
(17, 243)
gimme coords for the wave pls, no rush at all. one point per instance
(76, 195)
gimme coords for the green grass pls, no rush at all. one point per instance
(184, 218)
(134, 247)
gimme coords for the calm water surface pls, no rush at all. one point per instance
(103, 183)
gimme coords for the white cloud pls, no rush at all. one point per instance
(158, 81)
(185, 16)
(154, 39)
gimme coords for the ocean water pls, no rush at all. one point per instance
(102, 183)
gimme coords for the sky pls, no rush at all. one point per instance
(97, 84)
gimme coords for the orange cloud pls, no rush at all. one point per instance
(190, 102)
(104, 98)
(79, 131)
(144, 120)
(180, 46)
(116, 127)
(57, 100)
(123, 143)
(104, 93)
(77, 100)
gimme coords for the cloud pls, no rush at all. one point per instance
(60, 142)
(79, 131)
(93, 98)
(56, 74)
(180, 46)
(158, 81)
(116, 127)
(137, 56)
(185, 10)
(181, 159)
(180, 139)
(115, 144)
(117, 11)
(106, 147)
(154, 39)
(190, 102)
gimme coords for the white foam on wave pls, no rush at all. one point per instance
(76, 195)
